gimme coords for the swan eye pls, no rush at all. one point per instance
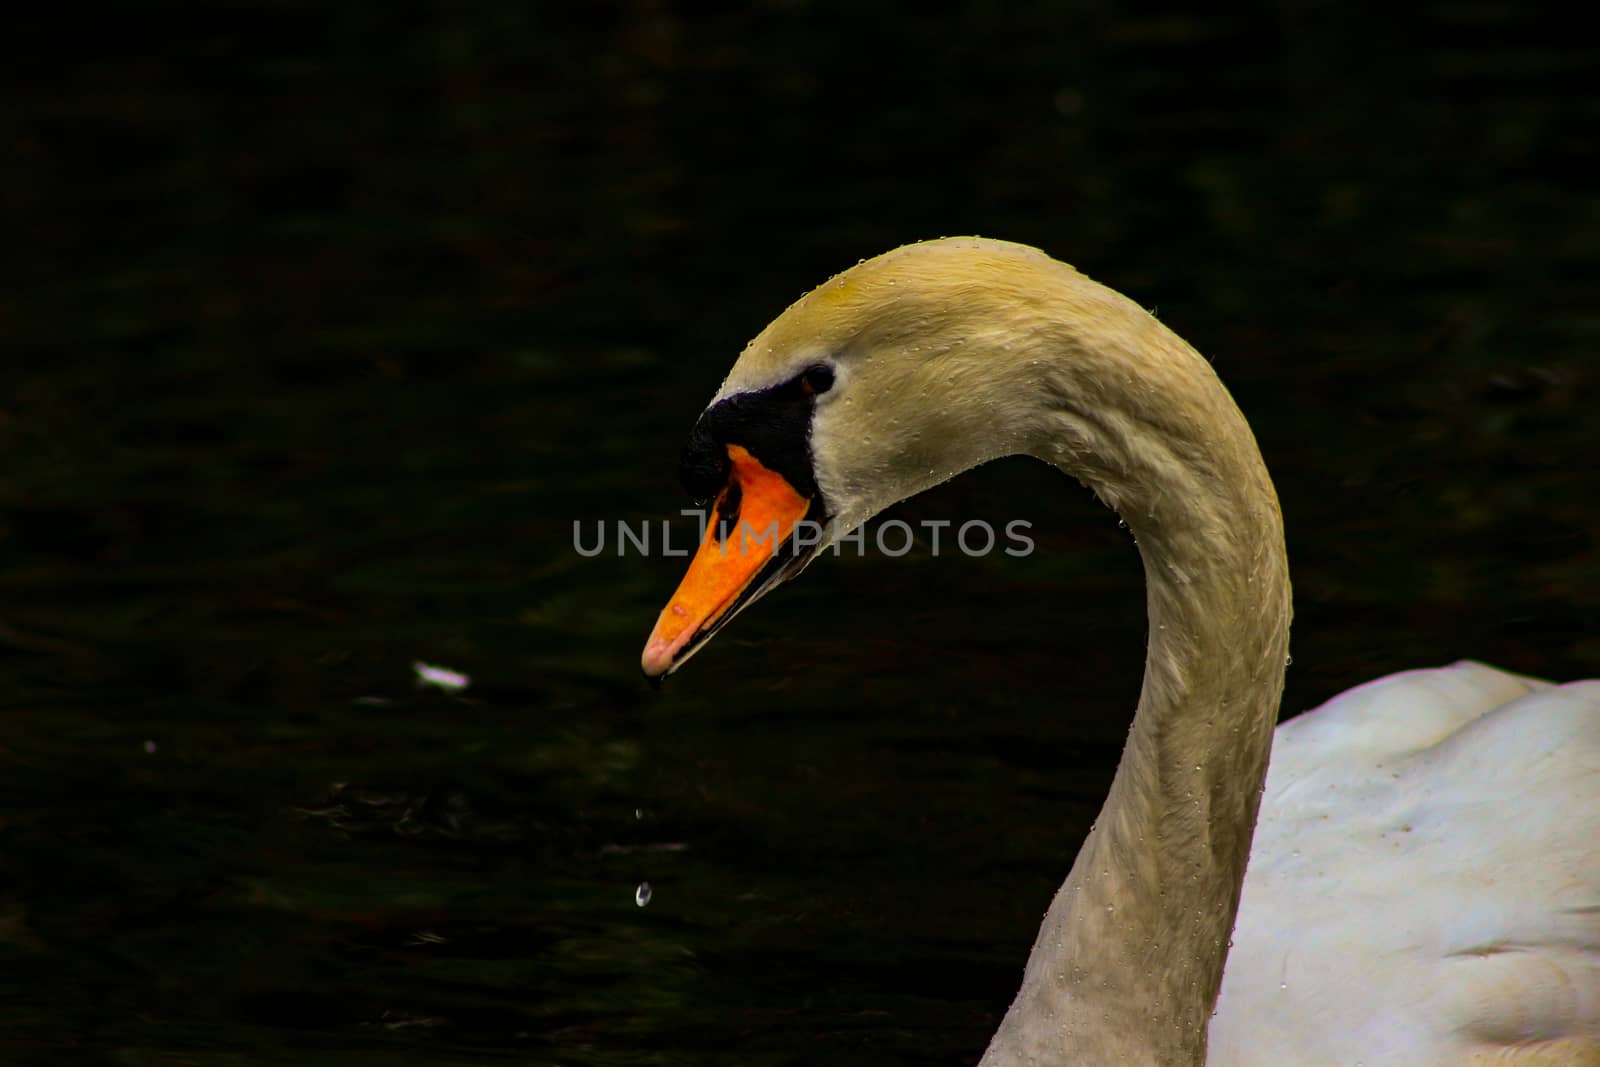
(818, 379)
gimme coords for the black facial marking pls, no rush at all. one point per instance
(703, 470)
(773, 425)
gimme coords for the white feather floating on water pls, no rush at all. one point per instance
(440, 677)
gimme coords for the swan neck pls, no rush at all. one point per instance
(1129, 960)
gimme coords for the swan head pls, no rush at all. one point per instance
(876, 385)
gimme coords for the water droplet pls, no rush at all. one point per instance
(642, 895)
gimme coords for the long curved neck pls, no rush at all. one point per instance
(1129, 960)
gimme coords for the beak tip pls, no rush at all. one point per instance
(656, 661)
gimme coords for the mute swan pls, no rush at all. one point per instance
(1424, 886)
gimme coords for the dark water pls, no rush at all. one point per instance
(322, 324)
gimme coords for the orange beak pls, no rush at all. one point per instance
(746, 540)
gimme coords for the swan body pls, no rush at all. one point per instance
(1423, 885)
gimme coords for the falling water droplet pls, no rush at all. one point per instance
(641, 896)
